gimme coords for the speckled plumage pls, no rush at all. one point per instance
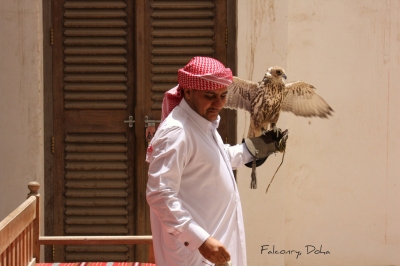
(267, 98)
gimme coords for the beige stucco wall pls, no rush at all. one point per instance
(21, 100)
(339, 183)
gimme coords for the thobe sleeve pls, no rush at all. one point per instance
(170, 152)
(238, 155)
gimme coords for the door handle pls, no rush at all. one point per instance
(147, 122)
(150, 126)
(130, 121)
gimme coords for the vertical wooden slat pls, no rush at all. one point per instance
(21, 250)
(231, 62)
(18, 250)
(220, 30)
(26, 240)
(151, 257)
(11, 262)
(143, 96)
(13, 254)
(58, 125)
(48, 122)
(9, 255)
(15, 259)
(30, 242)
(131, 138)
(227, 123)
(24, 248)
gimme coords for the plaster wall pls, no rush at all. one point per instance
(338, 188)
(21, 101)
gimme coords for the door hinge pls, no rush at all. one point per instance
(51, 36)
(226, 37)
(52, 145)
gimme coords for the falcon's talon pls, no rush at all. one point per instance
(276, 130)
(263, 131)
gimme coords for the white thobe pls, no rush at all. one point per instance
(191, 190)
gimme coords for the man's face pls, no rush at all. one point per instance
(207, 103)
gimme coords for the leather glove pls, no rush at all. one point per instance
(261, 147)
(268, 143)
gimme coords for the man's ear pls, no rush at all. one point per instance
(187, 93)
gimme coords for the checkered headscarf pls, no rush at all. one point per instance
(201, 73)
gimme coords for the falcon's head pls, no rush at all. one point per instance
(275, 73)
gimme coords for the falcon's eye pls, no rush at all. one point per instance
(278, 72)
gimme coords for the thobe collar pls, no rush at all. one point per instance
(204, 124)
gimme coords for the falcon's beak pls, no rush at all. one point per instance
(284, 76)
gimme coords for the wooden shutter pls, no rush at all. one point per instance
(93, 147)
(179, 31)
(96, 193)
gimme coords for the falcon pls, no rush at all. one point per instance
(266, 99)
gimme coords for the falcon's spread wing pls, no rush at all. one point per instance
(302, 100)
(240, 94)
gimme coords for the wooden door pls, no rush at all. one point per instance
(112, 60)
(94, 158)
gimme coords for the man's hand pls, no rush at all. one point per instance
(214, 251)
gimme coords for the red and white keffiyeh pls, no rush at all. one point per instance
(201, 73)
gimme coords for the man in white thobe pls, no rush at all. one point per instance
(195, 210)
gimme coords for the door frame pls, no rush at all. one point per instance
(48, 145)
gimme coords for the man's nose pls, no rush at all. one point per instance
(218, 103)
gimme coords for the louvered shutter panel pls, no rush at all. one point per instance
(95, 54)
(97, 187)
(96, 193)
(181, 30)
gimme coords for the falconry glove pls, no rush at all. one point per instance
(261, 147)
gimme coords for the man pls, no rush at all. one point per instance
(195, 210)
